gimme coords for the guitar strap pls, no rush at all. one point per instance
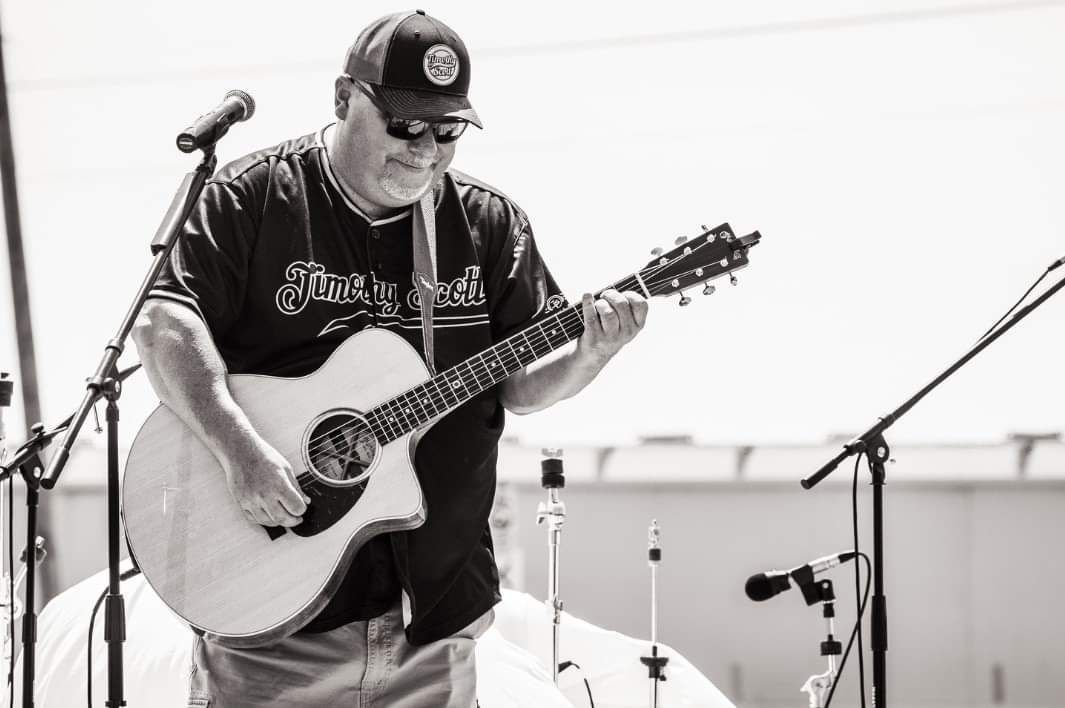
(424, 234)
(424, 219)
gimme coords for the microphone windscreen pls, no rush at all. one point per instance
(758, 587)
(247, 100)
(764, 586)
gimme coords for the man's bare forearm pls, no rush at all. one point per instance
(543, 383)
(610, 323)
(186, 371)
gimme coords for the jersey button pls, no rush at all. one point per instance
(375, 234)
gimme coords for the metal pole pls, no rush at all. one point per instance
(114, 609)
(553, 511)
(655, 664)
(31, 405)
(553, 544)
(879, 623)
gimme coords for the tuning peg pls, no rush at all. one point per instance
(684, 299)
(680, 240)
(709, 290)
(656, 251)
(733, 279)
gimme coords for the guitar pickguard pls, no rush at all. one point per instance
(328, 505)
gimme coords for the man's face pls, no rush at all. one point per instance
(387, 172)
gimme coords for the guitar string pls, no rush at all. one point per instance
(387, 424)
(482, 380)
(437, 386)
(390, 427)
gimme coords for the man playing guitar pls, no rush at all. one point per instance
(293, 249)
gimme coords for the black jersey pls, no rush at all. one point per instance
(282, 267)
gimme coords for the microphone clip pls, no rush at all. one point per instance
(813, 591)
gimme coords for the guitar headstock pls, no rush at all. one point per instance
(713, 253)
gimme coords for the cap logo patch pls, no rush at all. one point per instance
(441, 65)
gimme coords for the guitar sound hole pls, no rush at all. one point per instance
(340, 448)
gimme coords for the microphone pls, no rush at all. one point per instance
(210, 127)
(7, 387)
(763, 586)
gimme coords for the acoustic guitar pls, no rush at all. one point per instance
(349, 430)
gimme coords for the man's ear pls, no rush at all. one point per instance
(341, 96)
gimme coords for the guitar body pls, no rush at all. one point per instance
(232, 578)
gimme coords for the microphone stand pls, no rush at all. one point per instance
(11, 607)
(106, 382)
(27, 461)
(872, 444)
(553, 511)
(818, 686)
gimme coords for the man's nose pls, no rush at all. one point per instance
(424, 145)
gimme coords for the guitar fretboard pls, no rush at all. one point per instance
(450, 389)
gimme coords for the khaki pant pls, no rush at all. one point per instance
(360, 665)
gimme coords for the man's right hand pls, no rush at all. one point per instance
(264, 486)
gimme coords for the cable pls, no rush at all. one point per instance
(857, 624)
(857, 580)
(92, 621)
(566, 664)
(1016, 304)
(11, 587)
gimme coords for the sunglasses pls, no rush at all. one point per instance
(445, 131)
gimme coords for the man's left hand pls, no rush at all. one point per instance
(610, 323)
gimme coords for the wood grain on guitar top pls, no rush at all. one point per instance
(224, 574)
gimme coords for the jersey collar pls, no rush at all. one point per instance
(335, 181)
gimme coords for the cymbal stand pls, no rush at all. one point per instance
(818, 686)
(655, 664)
(553, 512)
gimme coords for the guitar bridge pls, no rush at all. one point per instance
(274, 532)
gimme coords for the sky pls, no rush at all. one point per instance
(903, 162)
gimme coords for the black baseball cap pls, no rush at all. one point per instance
(417, 66)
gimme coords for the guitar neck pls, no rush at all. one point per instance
(451, 388)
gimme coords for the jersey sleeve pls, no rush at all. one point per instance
(521, 288)
(208, 267)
